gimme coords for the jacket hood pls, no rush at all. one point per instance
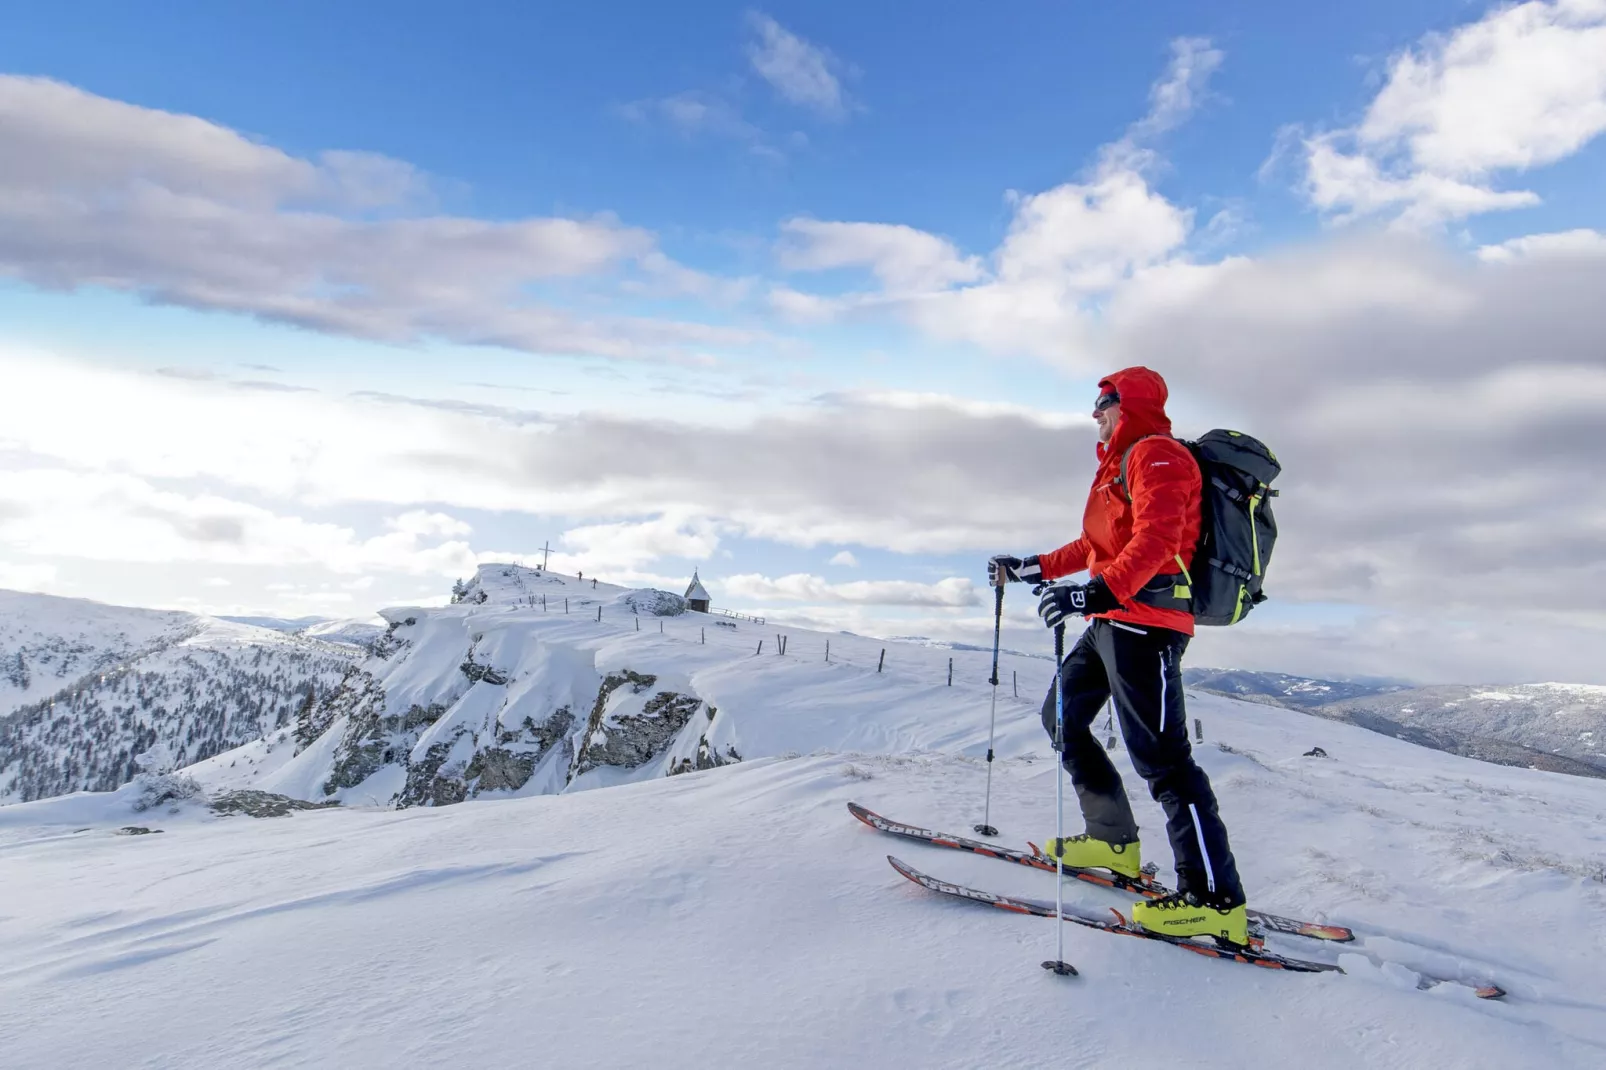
(1143, 396)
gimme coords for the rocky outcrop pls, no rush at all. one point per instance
(478, 672)
(503, 764)
(254, 803)
(632, 739)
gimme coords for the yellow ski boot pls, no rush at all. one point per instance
(1183, 914)
(1084, 852)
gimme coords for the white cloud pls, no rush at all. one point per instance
(844, 559)
(872, 470)
(1067, 248)
(624, 547)
(1567, 243)
(693, 112)
(802, 587)
(184, 211)
(802, 73)
(1172, 100)
(1522, 87)
(63, 513)
(902, 258)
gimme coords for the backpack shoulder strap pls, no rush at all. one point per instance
(1120, 481)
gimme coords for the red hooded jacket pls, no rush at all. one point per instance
(1129, 543)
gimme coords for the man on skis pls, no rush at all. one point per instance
(1137, 541)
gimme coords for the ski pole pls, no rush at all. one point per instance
(1058, 963)
(986, 827)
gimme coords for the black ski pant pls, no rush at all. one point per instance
(1141, 667)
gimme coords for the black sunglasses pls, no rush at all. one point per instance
(1106, 400)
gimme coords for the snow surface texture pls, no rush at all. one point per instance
(100, 684)
(739, 916)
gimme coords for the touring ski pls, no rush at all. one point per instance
(1148, 887)
(1118, 923)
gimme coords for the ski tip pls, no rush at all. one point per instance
(1337, 934)
(1064, 969)
(1489, 992)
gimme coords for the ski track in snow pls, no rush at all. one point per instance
(740, 916)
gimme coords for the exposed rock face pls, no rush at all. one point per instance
(372, 738)
(430, 782)
(477, 672)
(630, 739)
(707, 758)
(254, 803)
(503, 765)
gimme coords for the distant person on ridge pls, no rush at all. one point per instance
(1137, 542)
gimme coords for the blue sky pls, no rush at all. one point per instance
(838, 240)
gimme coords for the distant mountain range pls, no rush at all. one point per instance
(1559, 727)
(1300, 692)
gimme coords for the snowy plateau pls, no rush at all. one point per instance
(648, 861)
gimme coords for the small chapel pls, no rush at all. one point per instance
(697, 595)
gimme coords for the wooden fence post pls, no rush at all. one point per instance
(1014, 681)
(1198, 730)
(704, 633)
(950, 672)
(883, 660)
(760, 649)
(828, 651)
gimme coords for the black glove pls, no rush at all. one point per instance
(1002, 569)
(1072, 598)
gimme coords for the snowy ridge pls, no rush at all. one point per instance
(127, 679)
(499, 696)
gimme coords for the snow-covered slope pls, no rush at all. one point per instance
(104, 683)
(739, 917)
(47, 642)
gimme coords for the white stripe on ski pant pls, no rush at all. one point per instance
(1210, 873)
(1162, 692)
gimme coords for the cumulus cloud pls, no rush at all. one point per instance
(801, 587)
(1568, 243)
(802, 73)
(184, 211)
(1522, 87)
(1066, 249)
(844, 559)
(1439, 417)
